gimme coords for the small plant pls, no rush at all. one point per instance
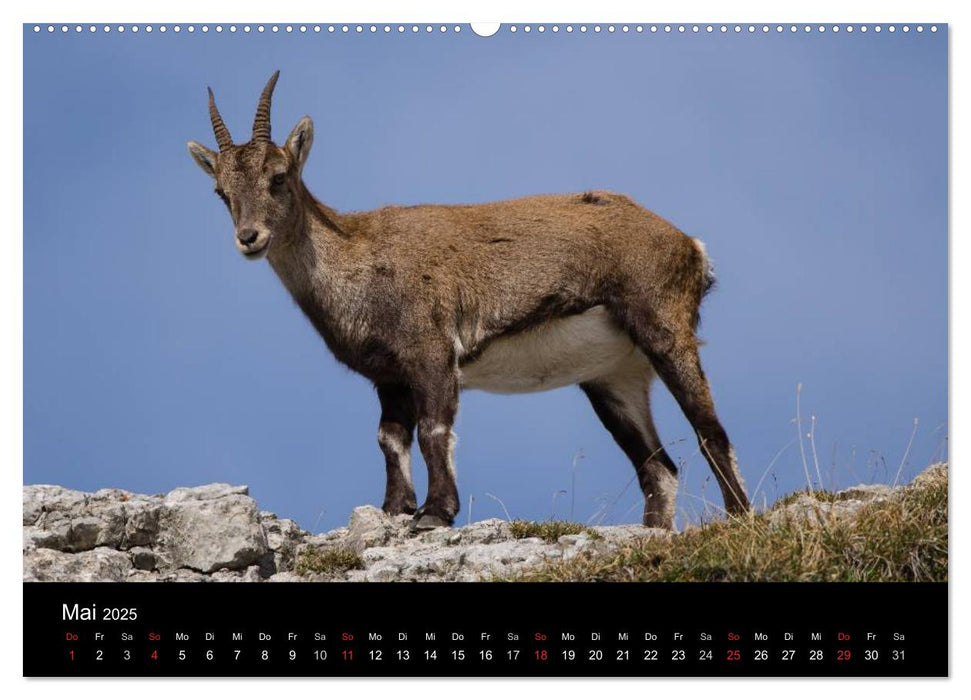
(549, 530)
(328, 560)
(821, 496)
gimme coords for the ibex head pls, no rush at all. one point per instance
(258, 180)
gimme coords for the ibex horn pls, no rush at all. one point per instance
(261, 125)
(222, 133)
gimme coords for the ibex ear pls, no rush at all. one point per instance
(204, 158)
(300, 140)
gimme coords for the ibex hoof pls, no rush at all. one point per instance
(428, 522)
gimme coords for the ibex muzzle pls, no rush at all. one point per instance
(523, 295)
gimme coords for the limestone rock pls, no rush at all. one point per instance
(208, 492)
(100, 564)
(284, 577)
(250, 575)
(208, 528)
(283, 537)
(143, 558)
(73, 521)
(841, 505)
(369, 527)
(864, 492)
(45, 498)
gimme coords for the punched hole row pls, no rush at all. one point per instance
(443, 29)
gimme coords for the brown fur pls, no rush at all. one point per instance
(406, 295)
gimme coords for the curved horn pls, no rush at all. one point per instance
(261, 125)
(222, 133)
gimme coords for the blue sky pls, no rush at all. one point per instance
(813, 166)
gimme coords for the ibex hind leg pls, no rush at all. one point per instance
(673, 351)
(621, 400)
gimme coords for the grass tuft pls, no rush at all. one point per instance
(549, 530)
(902, 537)
(821, 496)
(328, 560)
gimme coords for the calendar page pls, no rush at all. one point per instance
(425, 349)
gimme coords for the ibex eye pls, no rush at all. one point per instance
(278, 179)
(222, 196)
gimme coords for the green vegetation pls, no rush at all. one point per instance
(549, 530)
(821, 496)
(327, 561)
(901, 537)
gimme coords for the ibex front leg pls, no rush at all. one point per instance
(436, 403)
(394, 436)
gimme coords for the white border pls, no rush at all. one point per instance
(828, 11)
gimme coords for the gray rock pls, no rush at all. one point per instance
(328, 539)
(100, 564)
(180, 575)
(285, 577)
(384, 572)
(210, 528)
(374, 555)
(32, 509)
(505, 557)
(73, 521)
(864, 492)
(143, 558)
(369, 527)
(207, 492)
(629, 533)
(139, 576)
(44, 498)
(483, 532)
(250, 575)
(141, 524)
(283, 537)
(83, 534)
(49, 536)
(801, 509)
(806, 509)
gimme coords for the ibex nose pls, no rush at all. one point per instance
(247, 235)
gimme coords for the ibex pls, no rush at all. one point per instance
(515, 296)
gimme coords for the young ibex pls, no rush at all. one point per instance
(517, 296)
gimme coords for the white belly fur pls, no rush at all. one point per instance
(558, 353)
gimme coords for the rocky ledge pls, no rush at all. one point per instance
(217, 533)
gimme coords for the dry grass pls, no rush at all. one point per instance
(549, 530)
(902, 537)
(327, 561)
